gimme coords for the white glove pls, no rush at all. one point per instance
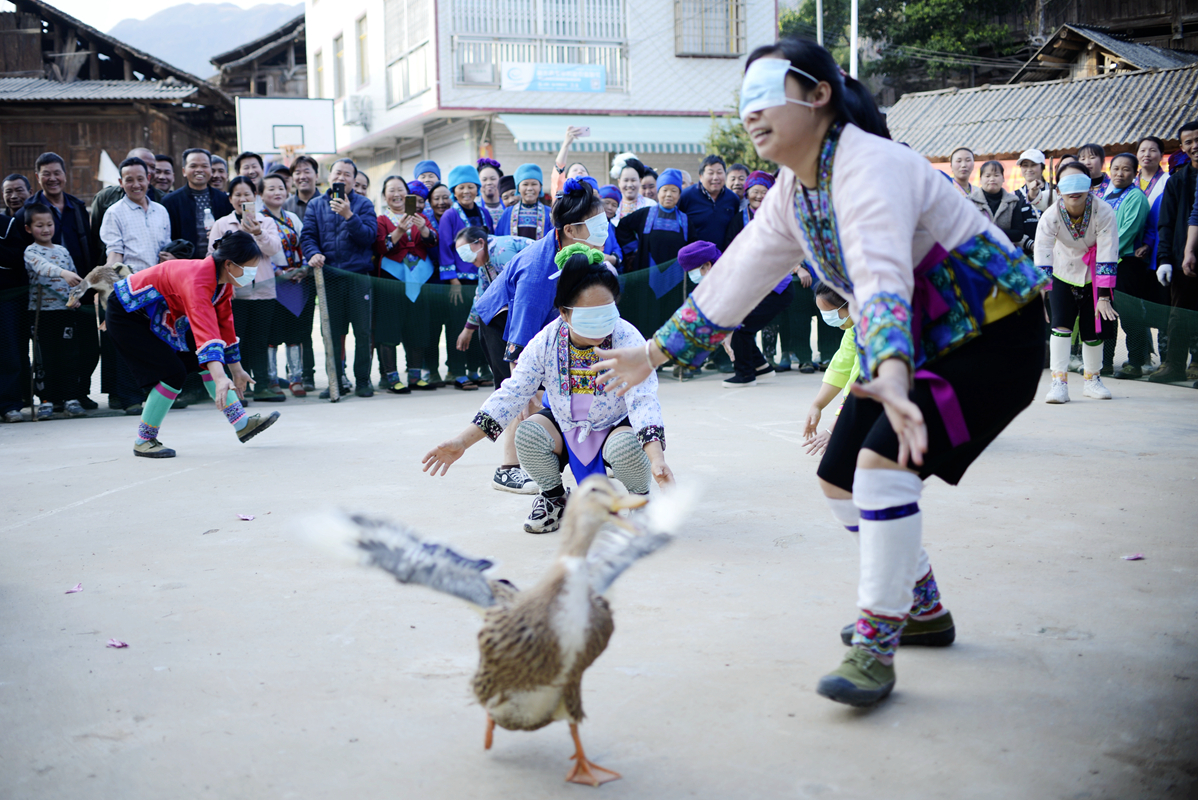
(1164, 274)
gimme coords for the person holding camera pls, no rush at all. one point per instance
(253, 305)
(340, 229)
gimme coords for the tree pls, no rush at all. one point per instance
(915, 38)
(729, 141)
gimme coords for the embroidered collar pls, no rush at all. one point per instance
(563, 357)
(1078, 230)
(466, 220)
(817, 217)
(527, 217)
(1151, 182)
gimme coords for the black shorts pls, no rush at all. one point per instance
(1071, 303)
(563, 458)
(149, 359)
(994, 376)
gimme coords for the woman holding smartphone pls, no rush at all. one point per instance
(405, 239)
(253, 305)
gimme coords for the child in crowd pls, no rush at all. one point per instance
(51, 268)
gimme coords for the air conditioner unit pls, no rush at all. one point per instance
(357, 110)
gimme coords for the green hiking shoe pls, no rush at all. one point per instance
(939, 632)
(861, 680)
(153, 449)
(255, 425)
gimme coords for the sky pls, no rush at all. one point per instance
(104, 14)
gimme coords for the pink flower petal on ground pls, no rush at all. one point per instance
(76, 588)
(116, 643)
(245, 517)
(1136, 557)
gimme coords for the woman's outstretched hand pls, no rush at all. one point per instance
(890, 389)
(441, 456)
(623, 369)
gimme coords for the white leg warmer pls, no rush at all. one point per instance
(1058, 355)
(844, 512)
(891, 529)
(1092, 359)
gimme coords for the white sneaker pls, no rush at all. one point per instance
(1094, 389)
(546, 515)
(74, 409)
(45, 411)
(1058, 393)
(514, 480)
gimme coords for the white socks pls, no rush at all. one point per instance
(890, 532)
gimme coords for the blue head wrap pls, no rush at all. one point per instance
(464, 173)
(428, 166)
(419, 189)
(670, 177)
(611, 192)
(529, 172)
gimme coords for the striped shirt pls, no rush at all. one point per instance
(138, 234)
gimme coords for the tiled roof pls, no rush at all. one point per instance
(1143, 56)
(15, 90)
(1058, 116)
(1060, 53)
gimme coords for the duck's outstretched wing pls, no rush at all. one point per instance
(397, 549)
(615, 550)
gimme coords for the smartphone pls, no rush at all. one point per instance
(411, 205)
(339, 191)
(247, 209)
(583, 131)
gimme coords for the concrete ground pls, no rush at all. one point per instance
(259, 668)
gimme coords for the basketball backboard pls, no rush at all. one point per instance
(267, 125)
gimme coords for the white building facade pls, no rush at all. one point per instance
(454, 80)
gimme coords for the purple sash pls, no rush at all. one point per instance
(925, 299)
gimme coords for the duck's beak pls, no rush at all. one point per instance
(626, 501)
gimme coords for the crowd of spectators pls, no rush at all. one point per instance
(427, 231)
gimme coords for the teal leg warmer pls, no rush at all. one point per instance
(234, 410)
(153, 411)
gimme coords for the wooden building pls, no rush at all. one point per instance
(67, 88)
(274, 65)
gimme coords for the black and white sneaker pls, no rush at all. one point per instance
(546, 514)
(738, 382)
(514, 480)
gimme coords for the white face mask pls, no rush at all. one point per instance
(695, 275)
(833, 317)
(466, 253)
(594, 322)
(764, 86)
(597, 230)
(247, 276)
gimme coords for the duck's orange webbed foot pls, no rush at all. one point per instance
(585, 771)
(490, 737)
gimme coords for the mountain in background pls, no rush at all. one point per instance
(187, 35)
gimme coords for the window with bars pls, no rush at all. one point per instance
(488, 33)
(711, 28)
(339, 67)
(406, 31)
(363, 52)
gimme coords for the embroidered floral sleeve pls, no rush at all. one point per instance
(492, 429)
(652, 433)
(689, 336)
(885, 331)
(233, 353)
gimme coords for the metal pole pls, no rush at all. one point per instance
(853, 42)
(819, 22)
(326, 333)
(37, 319)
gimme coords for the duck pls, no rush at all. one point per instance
(536, 644)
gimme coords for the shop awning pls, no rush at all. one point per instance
(544, 132)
